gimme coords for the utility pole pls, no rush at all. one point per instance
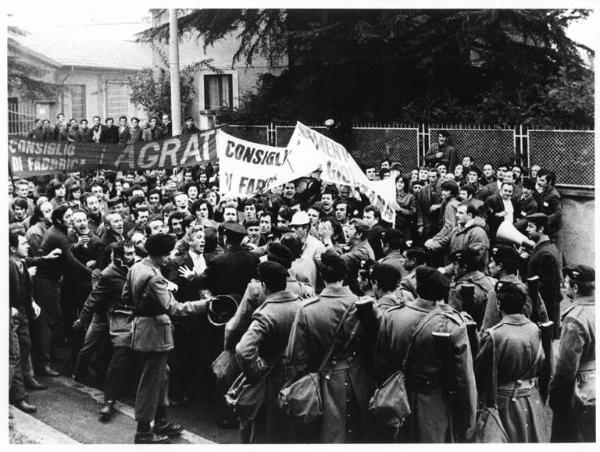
(174, 66)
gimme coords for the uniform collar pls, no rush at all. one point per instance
(343, 291)
(585, 301)
(282, 296)
(423, 305)
(514, 319)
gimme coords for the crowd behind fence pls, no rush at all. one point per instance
(570, 153)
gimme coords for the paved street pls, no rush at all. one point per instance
(68, 412)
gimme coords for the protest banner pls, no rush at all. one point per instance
(246, 168)
(340, 168)
(30, 157)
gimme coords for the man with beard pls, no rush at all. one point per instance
(546, 262)
(46, 289)
(105, 300)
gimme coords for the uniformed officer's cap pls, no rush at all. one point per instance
(431, 284)
(160, 244)
(504, 254)
(276, 252)
(465, 256)
(233, 227)
(581, 273)
(360, 225)
(511, 289)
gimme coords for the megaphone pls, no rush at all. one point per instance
(506, 231)
(221, 308)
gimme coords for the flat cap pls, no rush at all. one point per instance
(537, 216)
(233, 227)
(581, 273)
(300, 219)
(431, 284)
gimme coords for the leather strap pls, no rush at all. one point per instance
(325, 360)
(430, 315)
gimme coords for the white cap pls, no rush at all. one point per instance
(329, 122)
(300, 219)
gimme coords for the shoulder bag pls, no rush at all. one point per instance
(389, 404)
(301, 399)
(488, 425)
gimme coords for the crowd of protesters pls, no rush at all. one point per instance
(119, 266)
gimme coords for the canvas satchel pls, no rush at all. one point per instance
(301, 399)
(225, 369)
(389, 404)
(488, 425)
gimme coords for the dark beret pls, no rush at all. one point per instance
(504, 253)
(431, 284)
(160, 244)
(269, 271)
(276, 252)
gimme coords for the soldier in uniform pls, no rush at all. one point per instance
(345, 394)
(385, 279)
(572, 388)
(467, 273)
(260, 352)
(519, 359)
(436, 416)
(413, 258)
(255, 295)
(504, 265)
(150, 294)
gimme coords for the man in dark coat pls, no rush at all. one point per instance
(572, 388)
(502, 207)
(442, 152)
(135, 131)
(429, 202)
(124, 132)
(97, 130)
(546, 262)
(152, 133)
(23, 307)
(236, 260)
(100, 316)
(46, 287)
(110, 134)
(548, 200)
(189, 128)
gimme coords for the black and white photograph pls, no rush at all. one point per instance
(322, 223)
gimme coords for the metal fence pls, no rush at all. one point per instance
(495, 146)
(570, 153)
